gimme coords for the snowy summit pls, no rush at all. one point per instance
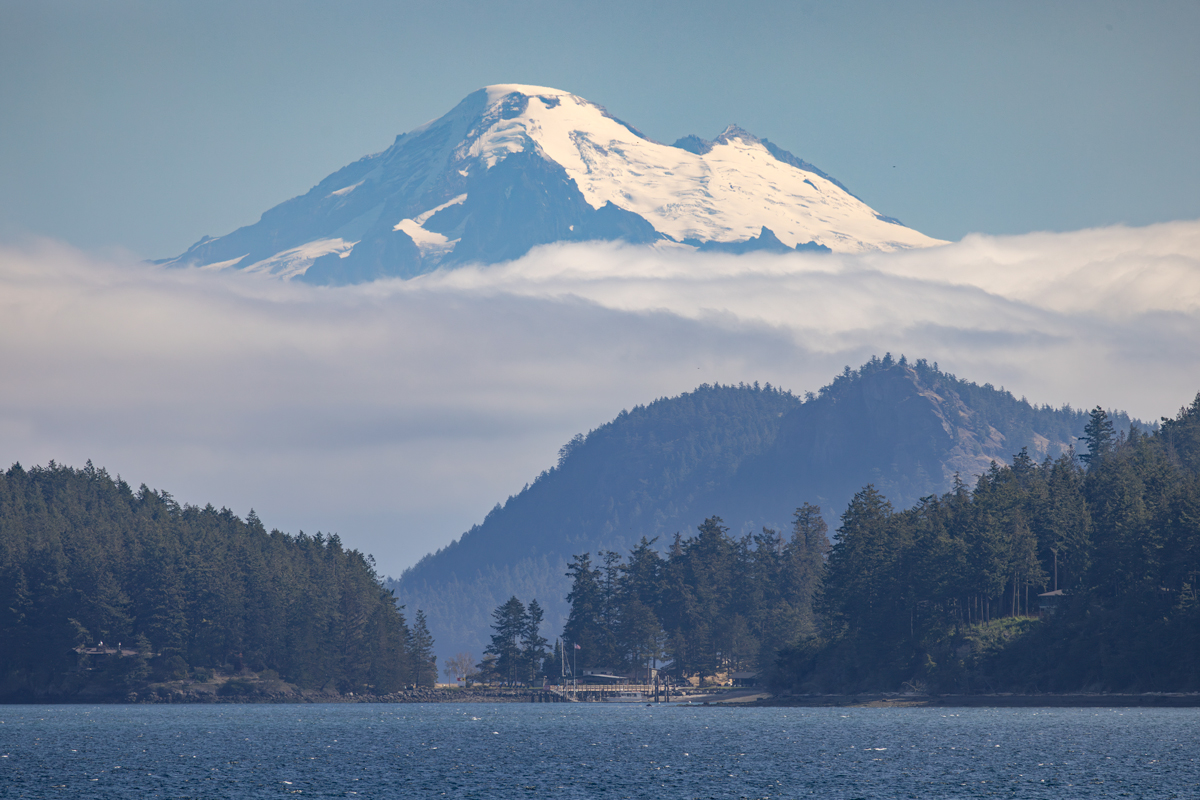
(512, 167)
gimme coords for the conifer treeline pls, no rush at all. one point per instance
(714, 603)
(518, 653)
(943, 595)
(1117, 531)
(84, 559)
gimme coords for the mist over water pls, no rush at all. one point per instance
(595, 751)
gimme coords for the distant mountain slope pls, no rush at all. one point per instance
(750, 455)
(906, 428)
(642, 474)
(512, 167)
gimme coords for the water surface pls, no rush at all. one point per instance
(595, 751)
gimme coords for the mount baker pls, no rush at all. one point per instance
(512, 167)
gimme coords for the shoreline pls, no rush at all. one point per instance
(722, 699)
(1003, 700)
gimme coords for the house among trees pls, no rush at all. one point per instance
(1048, 601)
(744, 678)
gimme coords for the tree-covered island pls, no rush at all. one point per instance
(107, 593)
(1074, 573)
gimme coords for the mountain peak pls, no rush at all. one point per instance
(499, 90)
(735, 131)
(514, 166)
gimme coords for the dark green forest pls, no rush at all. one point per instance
(748, 454)
(1059, 571)
(944, 595)
(1076, 573)
(714, 603)
(518, 653)
(185, 592)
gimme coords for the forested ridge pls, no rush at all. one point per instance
(940, 594)
(1075, 573)
(642, 474)
(748, 454)
(186, 592)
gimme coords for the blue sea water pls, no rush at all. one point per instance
(595, 751)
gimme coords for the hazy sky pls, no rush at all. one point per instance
(398, 413)
(145, 125)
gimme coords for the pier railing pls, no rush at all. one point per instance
(596, 692)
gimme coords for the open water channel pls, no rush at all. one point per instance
(595, 750)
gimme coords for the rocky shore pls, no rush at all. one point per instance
(249, 688)
(290, 694)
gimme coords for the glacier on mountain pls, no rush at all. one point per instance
(512, 167)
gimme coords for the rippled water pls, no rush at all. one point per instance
(595, 751)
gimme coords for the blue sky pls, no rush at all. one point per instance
(144, 125)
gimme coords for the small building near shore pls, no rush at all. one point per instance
(1048, 601)
(600, 675)
(744, 678)
(616, 677)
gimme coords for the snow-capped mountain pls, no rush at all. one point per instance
(512, 167)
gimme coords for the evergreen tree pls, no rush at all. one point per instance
(423, 659)
(639, 635)
(1099, 435)
(84, 559)
(556, 665)
(857, 590)
(803, 567)
(487, 670)
(510, 622)
(585, 628)
(533, 644)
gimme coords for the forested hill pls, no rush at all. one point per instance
(644, 474)
(908, 429)
(185, 592)
(748, 454)
(1060, 576)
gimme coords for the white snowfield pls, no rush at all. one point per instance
(728, 194)
(294, 261)
(431, 243)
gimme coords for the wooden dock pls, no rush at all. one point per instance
(585, 693)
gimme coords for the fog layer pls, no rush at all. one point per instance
(397, 413)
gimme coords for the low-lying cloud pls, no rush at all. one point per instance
(397, 413)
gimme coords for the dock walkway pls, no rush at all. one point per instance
(601, 692)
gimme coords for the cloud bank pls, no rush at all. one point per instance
(397, 413)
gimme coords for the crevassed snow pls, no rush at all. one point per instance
(293, 262)
(728, 194)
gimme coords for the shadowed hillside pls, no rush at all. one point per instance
(748, 454)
